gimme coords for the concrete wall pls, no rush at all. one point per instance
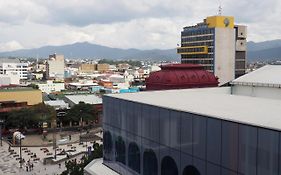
(224, 54)
(264, 92)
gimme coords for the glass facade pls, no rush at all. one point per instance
(149, 140)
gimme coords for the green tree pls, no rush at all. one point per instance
(31, 117)
(82, 110)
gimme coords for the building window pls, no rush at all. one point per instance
(120, 150)
(134, 157)
(150, 166)
(190, 170)
(107, 144)
(168, 166)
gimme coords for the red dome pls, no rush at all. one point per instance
(180, 76)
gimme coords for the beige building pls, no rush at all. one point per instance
(31, 96)
(88, 68)
(103, 67)
(55, 67)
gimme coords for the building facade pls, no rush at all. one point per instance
(51, 86)
(13, 67)
(143, 136)
(218, 45)
(21, 95)
(55, 67)
(88, 68)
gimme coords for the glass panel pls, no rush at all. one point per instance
(186, 133)
(230, 145)
(164, 115)
(268, 141)
(175, 126)
(227, 172)
(199, 136)
(213, 169)
(247, 149)
(214, 140)
(200, 165)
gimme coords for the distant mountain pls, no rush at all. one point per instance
(252, 46)
(88, 50)
(271, 54)
(262, 51)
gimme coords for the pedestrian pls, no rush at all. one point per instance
(26, 168)
(59, 165)
(31, 166)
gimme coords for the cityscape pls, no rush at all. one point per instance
(140, 88)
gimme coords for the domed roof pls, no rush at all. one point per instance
(180, 76)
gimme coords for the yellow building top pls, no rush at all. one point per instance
(220, 21)
(31, 96)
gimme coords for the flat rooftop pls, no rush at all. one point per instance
(214, 102)
(268, 75)
(90, 99)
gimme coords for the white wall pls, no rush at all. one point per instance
(51, 87)
(263, 92)
(224, 54)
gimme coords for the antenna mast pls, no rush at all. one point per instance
(220, 8)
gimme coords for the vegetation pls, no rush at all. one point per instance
(30, 117)
(34, 86)
(82, 110)
(77, 168)
(113, 62)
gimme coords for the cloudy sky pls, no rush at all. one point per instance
(143, 24)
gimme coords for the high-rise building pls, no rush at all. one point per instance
(55, 67)
(218, 45)
(13, 67)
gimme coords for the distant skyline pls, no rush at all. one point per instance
(142, 24)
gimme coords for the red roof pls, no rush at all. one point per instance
(180, 76)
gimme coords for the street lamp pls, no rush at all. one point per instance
(81, 121)
(20, 153)
(1, 122)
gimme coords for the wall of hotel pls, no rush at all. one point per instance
(143, 139)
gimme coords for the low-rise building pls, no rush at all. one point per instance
(29, 95)
(103, 67)
(88, 68)
(13, 67)
(51, 86)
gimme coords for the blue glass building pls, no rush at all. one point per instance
(192, 132)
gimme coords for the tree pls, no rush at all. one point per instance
(82, 110)
(74, 168)
(31, 117)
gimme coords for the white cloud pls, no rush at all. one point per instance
(10, 46)
(142, 24)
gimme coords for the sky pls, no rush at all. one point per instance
(141, 24)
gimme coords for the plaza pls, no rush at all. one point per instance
(42, 157)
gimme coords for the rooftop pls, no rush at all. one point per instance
(214, 102)
(268, 75)
(90, 99)
(15, 89)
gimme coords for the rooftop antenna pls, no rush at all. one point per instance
(220, 8)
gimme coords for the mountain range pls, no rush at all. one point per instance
(260, 51)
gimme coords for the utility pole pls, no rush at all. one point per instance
(20, 152)
(54, 127)
(1, 122)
